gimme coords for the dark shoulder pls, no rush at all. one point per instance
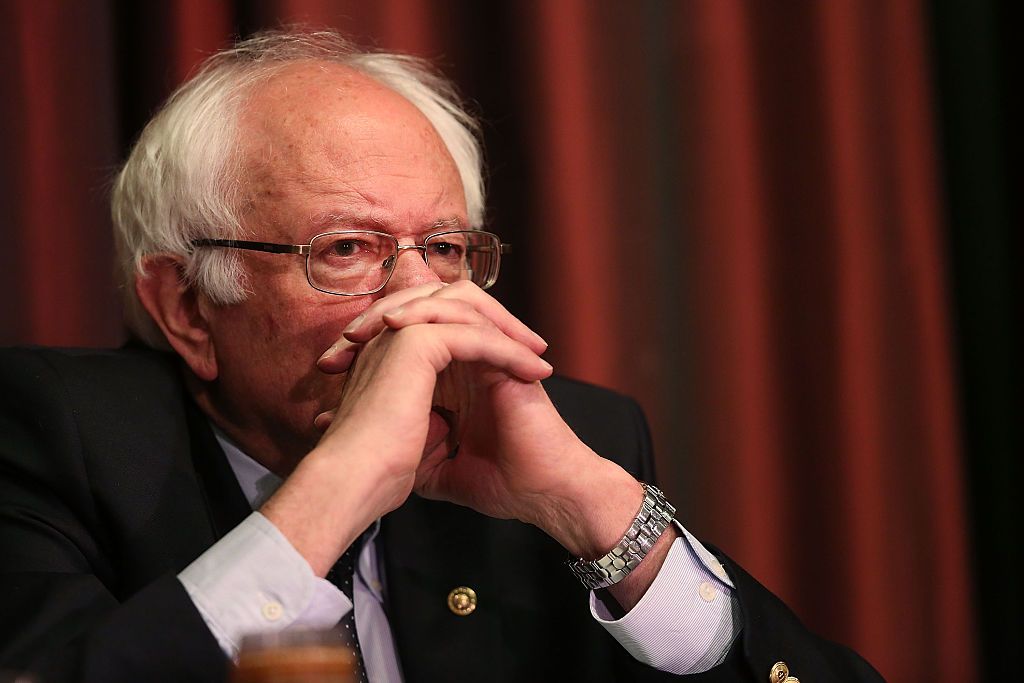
(610, 423)
(571, 391)
(103, 405)
(92, 381)
(98, 446)
(126, 367)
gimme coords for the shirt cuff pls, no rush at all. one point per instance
(253, 580)
(687, 619)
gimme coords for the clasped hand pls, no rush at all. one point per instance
(516, 458)
(513, 448)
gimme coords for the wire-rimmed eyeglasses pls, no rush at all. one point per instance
(358, 262)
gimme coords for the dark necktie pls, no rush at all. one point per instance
(342, 575)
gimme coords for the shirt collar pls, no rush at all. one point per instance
(257, 482)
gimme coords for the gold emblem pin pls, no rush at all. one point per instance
(462, 601)
(779, 672)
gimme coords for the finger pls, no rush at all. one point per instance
(444, 343)
(339, 357)
(377, 308)
(426, 310)
(495, 312)
(380, 318)
(435, 310)
(324, 420)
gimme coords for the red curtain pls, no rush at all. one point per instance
(727, 209)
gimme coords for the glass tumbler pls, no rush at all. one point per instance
(295, 656)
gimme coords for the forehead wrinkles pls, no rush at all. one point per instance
(316, 137)
(324, 167)
(309, 120)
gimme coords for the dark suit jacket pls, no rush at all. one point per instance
(111, 482)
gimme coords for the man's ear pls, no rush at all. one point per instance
(179, 311)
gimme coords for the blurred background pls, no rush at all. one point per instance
(784, 227)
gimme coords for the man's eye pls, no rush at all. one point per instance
(446, 249)
(346, 248)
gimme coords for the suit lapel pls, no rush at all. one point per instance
(225, 502)
(429, 549)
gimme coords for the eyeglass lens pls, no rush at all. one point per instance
(358, 262)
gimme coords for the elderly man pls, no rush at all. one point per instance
(299, 230)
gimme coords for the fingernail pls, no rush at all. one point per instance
(334, 349)
(326, 353)
(354, 325)
(546, 364)
(397, 313)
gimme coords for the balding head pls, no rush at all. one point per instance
(183, 178)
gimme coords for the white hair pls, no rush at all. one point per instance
(181, 180)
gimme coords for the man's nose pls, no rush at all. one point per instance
(411, 269)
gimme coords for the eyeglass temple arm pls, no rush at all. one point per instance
(254, 246)
(503, 248)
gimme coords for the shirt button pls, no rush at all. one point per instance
(272, 611)
(707, 591)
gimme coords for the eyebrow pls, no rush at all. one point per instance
(453, 222)
(332, 219)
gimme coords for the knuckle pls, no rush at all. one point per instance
(487, 333)
(463, 287)
(433, 288)
(464, 306)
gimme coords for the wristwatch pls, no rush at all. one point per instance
(650, 523)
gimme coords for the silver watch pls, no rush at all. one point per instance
(650, 523)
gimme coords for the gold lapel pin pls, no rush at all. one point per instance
(462, 601)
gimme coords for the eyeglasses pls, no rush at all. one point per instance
(358, 262)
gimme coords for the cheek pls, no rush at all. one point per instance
(306, 324)
(279, 334)
(319, 326)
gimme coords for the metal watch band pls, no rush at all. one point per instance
(650, 523)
